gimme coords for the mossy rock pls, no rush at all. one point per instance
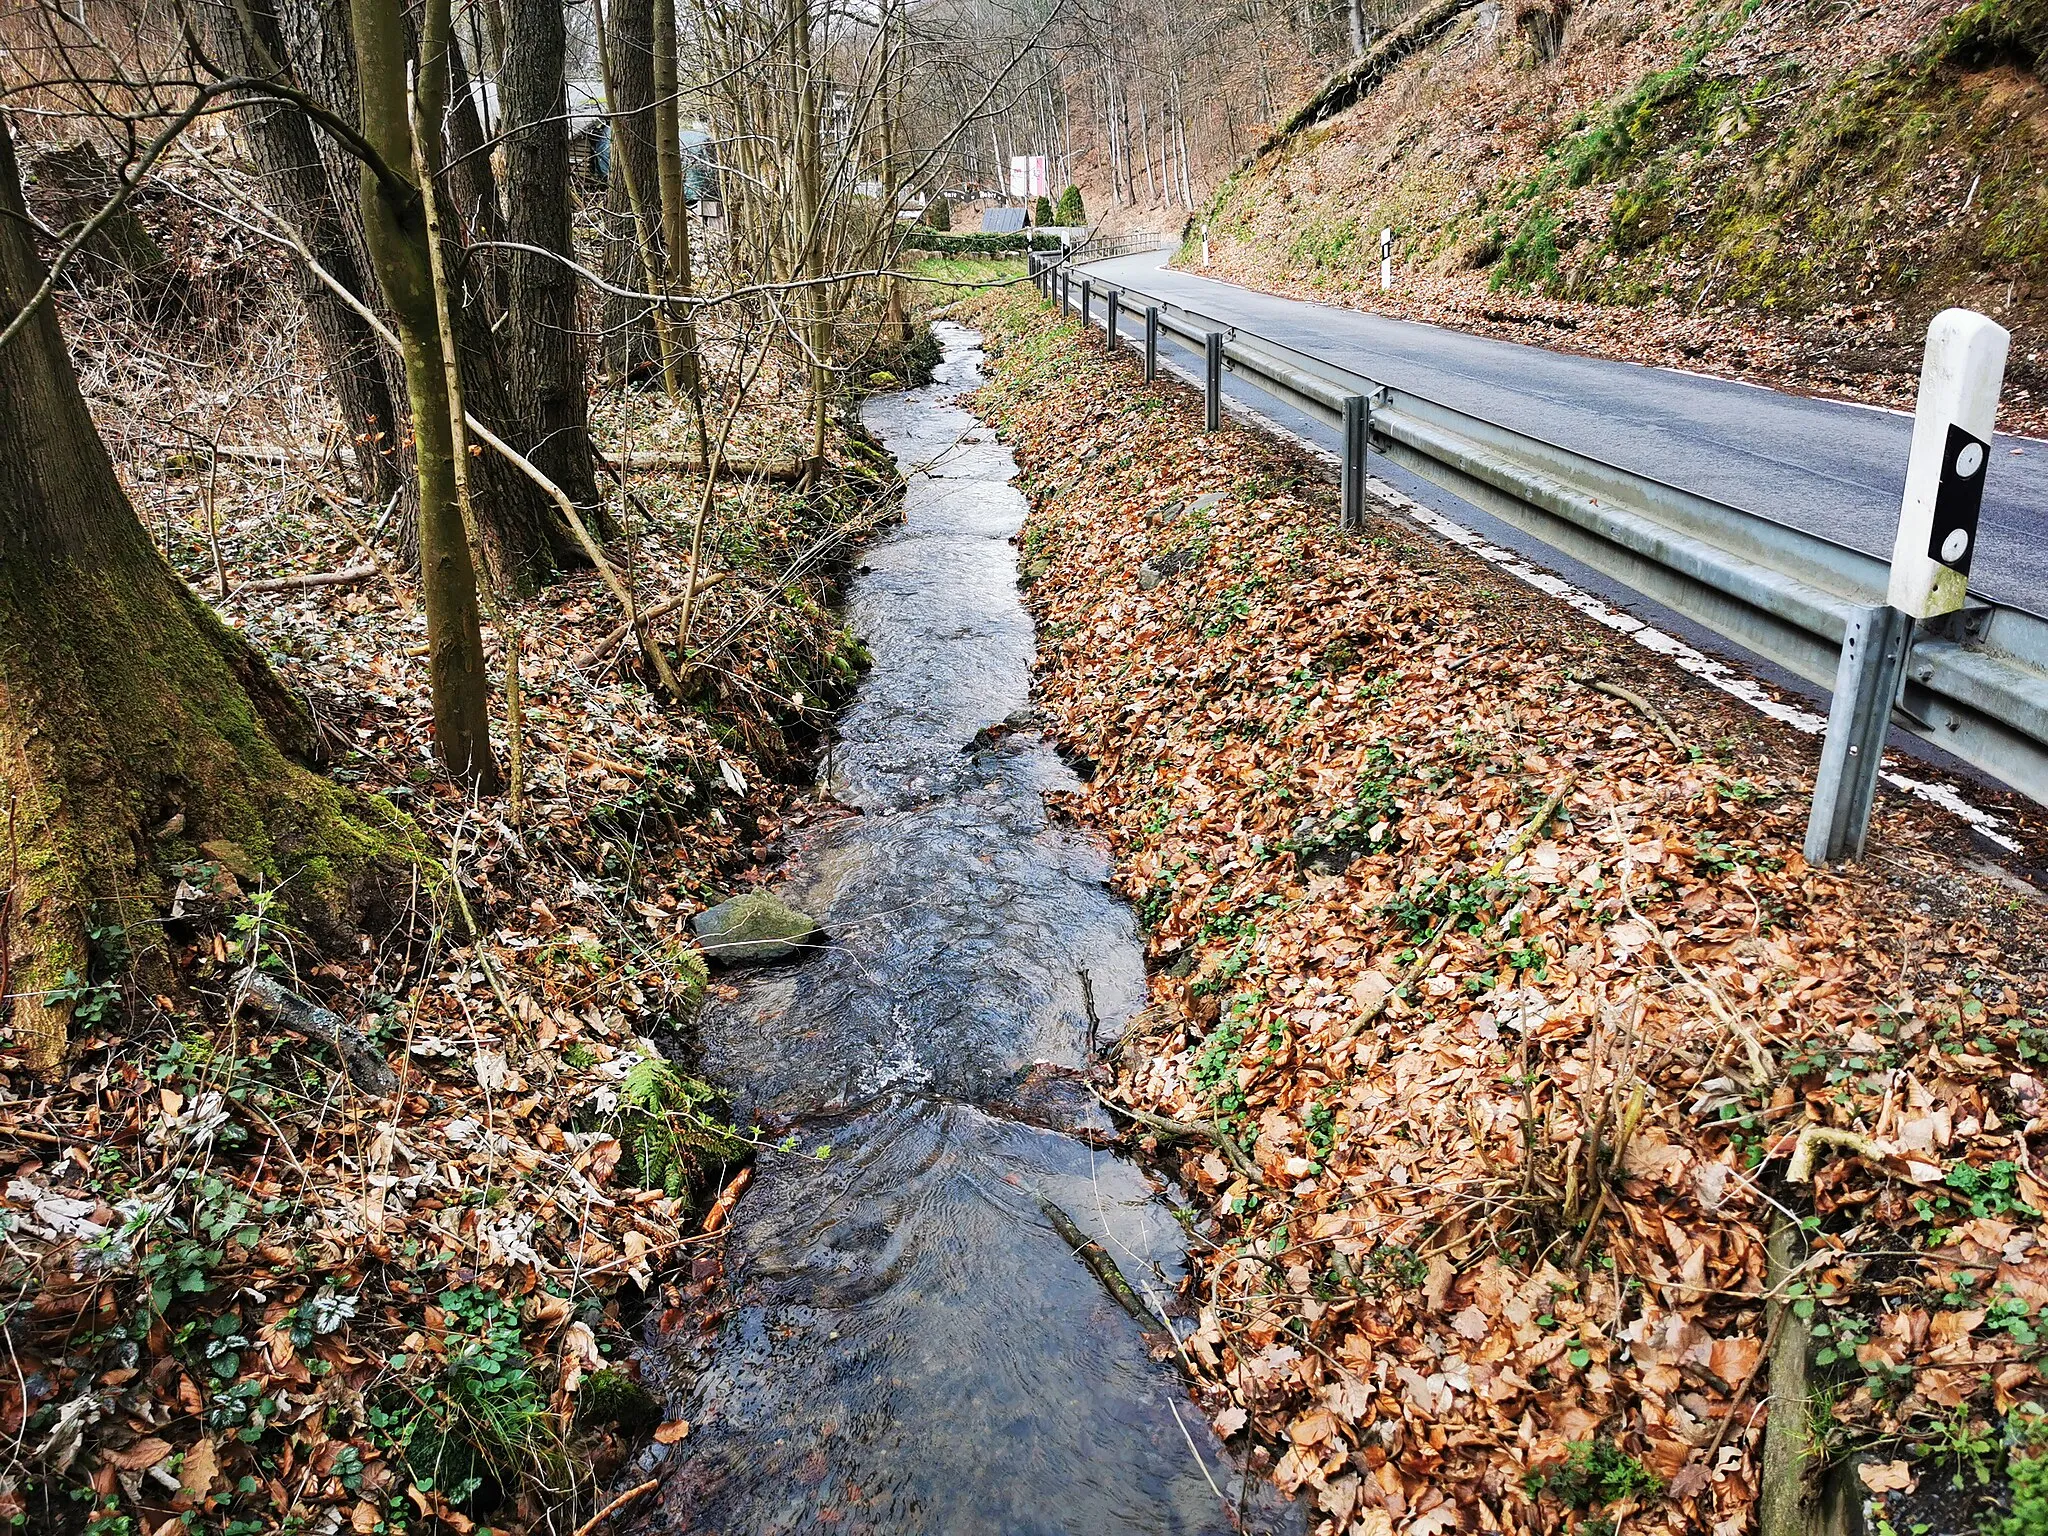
(752, 930)
(615, 1400)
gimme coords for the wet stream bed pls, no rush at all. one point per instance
(909, 1345)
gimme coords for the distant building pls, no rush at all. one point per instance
(1002, 221)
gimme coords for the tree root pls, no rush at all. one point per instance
(308, 1020)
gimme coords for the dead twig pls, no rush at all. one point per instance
(1097, 1258)
(1741, 1393)
(1641, 706)
(1197, 1130)
(592, 654)
(616, 1505)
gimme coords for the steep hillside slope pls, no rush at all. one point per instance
(1785, 189)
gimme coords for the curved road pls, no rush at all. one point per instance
(1831, 468)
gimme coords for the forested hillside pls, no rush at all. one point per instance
(1787, 188)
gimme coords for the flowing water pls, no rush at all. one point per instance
(911, 1345)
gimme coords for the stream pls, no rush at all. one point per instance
(910, 1345)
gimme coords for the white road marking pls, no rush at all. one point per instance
(1718, 674)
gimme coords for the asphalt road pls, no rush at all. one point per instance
(1831, 468)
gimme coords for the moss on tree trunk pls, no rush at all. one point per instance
(134, 725)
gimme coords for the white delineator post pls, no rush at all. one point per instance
(1386, 260)
(1960, 376)
(1952, 427)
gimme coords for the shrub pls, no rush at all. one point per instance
(979, 244)
(1069, 214)
(1042, 214)
(1594, 1472)
(2026, 1513)
(939, 213)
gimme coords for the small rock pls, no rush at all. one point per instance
(1163, 566)
(752, 929)
(1208, 501)
(230, 857)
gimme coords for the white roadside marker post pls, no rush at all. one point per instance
(1953, 420)
(1386, 260)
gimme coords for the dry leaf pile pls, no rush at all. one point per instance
(1491, 1006)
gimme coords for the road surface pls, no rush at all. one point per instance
(1824, 466)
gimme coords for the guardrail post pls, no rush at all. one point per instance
(1087, 300)
(1151, 342)
(1212, 392)
(1953, 419)
(1110, 301)
(1859, 718)
(1357, 439)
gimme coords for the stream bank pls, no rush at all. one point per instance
(909, 1344)
(1487, 934)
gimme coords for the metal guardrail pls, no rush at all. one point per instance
(1132, 243)
(1976, 682)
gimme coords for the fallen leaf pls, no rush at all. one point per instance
(1886, 1476)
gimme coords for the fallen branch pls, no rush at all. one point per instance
(349, 576)
(1642, 706)
(616, 1505)
(366, 1066)
(1806, 1150)
(727, 469)
(1194, 1130)
(1533, 827)
(1097, 1258)
(366, 542)
(609, 764)
(592, 654)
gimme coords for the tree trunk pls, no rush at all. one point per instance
(397, 233)
(472, 183)
(246, 38)
(631, 346)
(675, 211)
(547, 357)
(134, 725)
(523, 530)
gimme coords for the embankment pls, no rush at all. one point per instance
(1781, 191)
(1491, 994)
